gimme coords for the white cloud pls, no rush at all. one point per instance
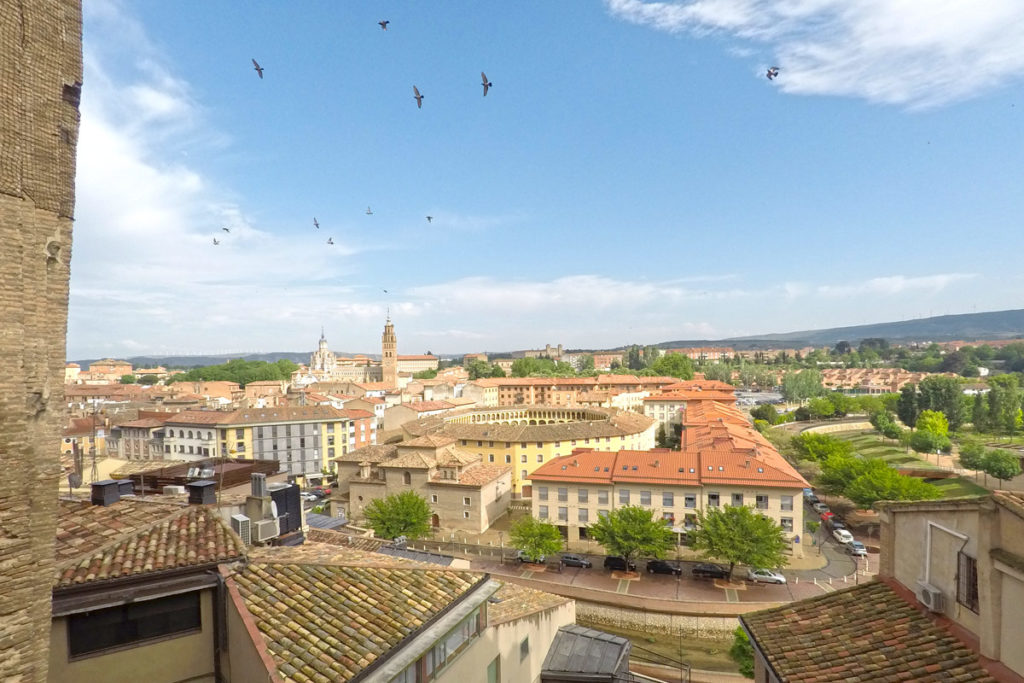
(917, 53)
(895, 284)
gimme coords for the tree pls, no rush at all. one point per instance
(402, 514)
(819, 447)
(801, 385)
(944, 395)
(674, 365)
(878, 482)
(718, 371)
(1001, 464)
(907, 408)
(660, 437)
(149, 380)
(821, 407)
(586, 362)
(926, 441)
(932, 421)
(742, 652)
(766, 412)
(979, 413)
(535, 537)
(128, 379)
(972, 455)
(425, 374)
(630, 531)
(738, 535)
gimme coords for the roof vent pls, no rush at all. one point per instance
(634, 468)
(721, 469)
(760, 469)
(691, 470)
(125, 487)
(680, 469)
(106, 492)
(202, 492)
(655, 463)
(259, 485)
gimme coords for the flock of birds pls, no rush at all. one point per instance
(419, 97)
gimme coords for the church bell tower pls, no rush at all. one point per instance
(388, 356)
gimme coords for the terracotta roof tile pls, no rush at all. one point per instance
(514, 602)
(863, 633)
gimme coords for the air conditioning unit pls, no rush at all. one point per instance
(172, 490)
(931, 597)
(265, 530)
(242, 526)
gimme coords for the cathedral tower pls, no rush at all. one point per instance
(388, 357)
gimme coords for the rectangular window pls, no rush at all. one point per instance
(786, 502)
(433, 497)
(523, 444)
(330, 440)
(490, 457)
(624, 496)
(602, 497)
(737, 499)
(786, 523)
(542, 493)
(112, 627)
(330, 427)
(762, 502)
(645, 497)
(540, 457)
(581, 495)
(540, 444)
(259, 432)
(465, 514)
(713, 500)
(668, 499)
(479, 443)
(690, 500)
(523, 475)
(302, 442)
(508, 458)
(524, 648)
(563, 514)
(239, 433)
(967, 581)
(563, 495)
(584, 515)
(330, 452)
(466, 500)
(602, 513)
(522, 458)
(557, 444)
(452, 644)
(668, 517)
(542, 511)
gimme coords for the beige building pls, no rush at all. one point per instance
(396, 416)
(413, 364)
(464, 493)
(484, 393)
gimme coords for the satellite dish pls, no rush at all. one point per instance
(74, 480)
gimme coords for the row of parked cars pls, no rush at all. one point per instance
(703, 570)
(836, 525)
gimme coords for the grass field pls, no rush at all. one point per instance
(700, 653)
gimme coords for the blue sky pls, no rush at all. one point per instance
(631, 177)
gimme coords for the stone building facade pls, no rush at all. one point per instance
(40, 87)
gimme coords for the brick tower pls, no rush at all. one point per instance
(388, 355)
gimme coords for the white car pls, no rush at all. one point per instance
(765, 576)
(857, 549)
(843, 536)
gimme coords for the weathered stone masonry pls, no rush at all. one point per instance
(40, 87)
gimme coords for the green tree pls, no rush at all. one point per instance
(718, 371)
(878, 482)
(972, 455)
(128, 379)
(932, 421)
(149, 380)
(945, 395)
(425, 374)
(634, 358)
(819, 447)
(674, 365)
(766, 412)
(979, 413)
(742, 652)
(738, 535)
(1001, 464)
(907, 408)
(586, 362)
(821, 407)
(838, 472)
(925, 441)
(478, 368)
(801, 385)
(402, 514)
(632, 531)
(536, 538)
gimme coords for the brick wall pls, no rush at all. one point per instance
(40, 69)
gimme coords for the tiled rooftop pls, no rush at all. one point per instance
(96, 543)
(866, 633)
(323, 622)
(515, 601)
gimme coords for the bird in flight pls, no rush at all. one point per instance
(330, 240)
(369, 211)
(384, 290)
(315, 223)
(257, 67)
(418, 97)
(487, 83)
(216, 241)
(226, 229)
(384, 24)
(430, 218)
(772, 72)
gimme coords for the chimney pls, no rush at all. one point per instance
(105, 492)
(259, 485)
(125, 487)
(656, 463)
(202, 492)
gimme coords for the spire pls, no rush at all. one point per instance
(322, 337)
(389, 313)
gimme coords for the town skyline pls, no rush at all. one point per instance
(676, 193)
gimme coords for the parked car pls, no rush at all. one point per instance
(808, 493)
(521, 556)
(842, 535)
(857, 549)
(765, 576)
(826, 516)
(576, 561)
(618, 564)
(663, 567)
(706, 570)
(836, 523)
(819, 507)
(309, 496)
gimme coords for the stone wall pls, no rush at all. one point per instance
(639, 620)
(40, 86)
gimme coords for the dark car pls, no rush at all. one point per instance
(836, 523)
(576, 561)
(618, 564)
(663, 567)
(706, 570)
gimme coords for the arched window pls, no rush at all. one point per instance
(190, 433)
(406, 478)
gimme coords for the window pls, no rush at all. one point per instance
(493, 671)
(713, 500)
(433, 497)
(786, 502)
(624, 496)
(111, 627)
(557, 444)
(465, 514)
(524, 647)
(479, 443)
(668, 517)
(542, 511)
(490, 444)
(540, 457)
(540, 444)
(645, 497)
(581, 495)
(574, 442)
(330, 440)
(668, 499)
(522, 458)
(490, 457)
(602, 513)
(563, 495)
(523, 475)
(967, 581)
(602, 497)
(737, 499)
(406, 478)
(542, 493)
(466, 500)
(762, 502)
(259, 432)
(453, 643)
(563, 514)
(239, 433)
(508, 458)
(330, 427)
(523, 444)
(584, 515)
(786, 523)
(330, 452)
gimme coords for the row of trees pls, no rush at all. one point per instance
(240, 371)
(995, 462)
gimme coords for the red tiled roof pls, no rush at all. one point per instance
(475, 475)
(420, 357)
(199, 417)
(427, 406)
